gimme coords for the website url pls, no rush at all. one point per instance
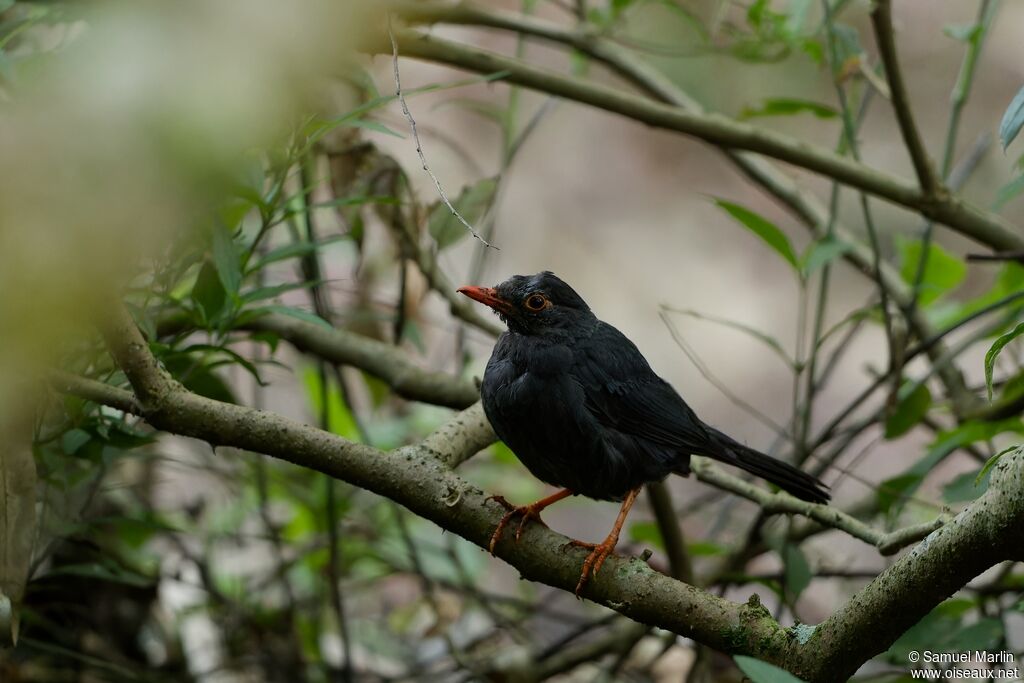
(965, 674)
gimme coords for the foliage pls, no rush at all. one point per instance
(145, 539)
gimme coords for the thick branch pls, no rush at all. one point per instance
(989, 531)
(131, 352)
(881, 20)
(384, 361)
(415, 477)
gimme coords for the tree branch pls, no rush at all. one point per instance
(417, 478)
(989, 531)
(384, 361)
(881, 20)
(762, 171)
(887, 543)
(970, 221)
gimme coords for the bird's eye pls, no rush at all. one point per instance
(536, 302)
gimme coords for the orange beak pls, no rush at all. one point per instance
(487, 296)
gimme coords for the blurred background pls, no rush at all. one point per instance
(229, 163)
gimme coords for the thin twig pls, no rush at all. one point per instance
(881, 20)
(887, 543)
(419, 146)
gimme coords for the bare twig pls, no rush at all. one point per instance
(881, 20)
(671, 531)
(887, 543)
(419, 146)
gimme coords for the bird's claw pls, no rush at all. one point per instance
(599, 552)
(527, 512)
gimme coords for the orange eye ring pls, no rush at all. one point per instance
(536, 302)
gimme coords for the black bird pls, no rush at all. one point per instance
(579, 406)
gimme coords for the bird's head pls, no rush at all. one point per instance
(540, 304)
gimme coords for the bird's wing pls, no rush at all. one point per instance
(623, 393)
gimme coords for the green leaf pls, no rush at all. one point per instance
(892, 492)
(101, 572)
(488, 110)
(784, 106)
(967, 33)
(822, 252)
(227, 259)
(994, 351)
(503, 453)
(797, 571)
(294, 250)
(1013, 119)
(272, 291)
(913, 404)
(471, 203)
(73, 439)
(376, 126)
(1008, 192)
(340, 420)
(964, 487)
(208, 292)
(991, 462)
(297, 313)
(942, 273)
(943, 630)
(763, 672)
(848, 45)
(199, 379)
(763, 228)
(646, 532)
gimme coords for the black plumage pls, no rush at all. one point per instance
(579, 405)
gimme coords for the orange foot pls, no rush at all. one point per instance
(527, 512)
(599, 552)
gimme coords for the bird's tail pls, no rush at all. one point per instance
(783, 475)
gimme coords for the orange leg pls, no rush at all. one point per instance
(527, 512)
(599, 552)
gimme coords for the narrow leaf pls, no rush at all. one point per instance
(912, 406)
(1013, 119)
(472, 202)
(991, 462)
(1008, 192)
(297, 313)
(763, 672)
(823, 252)
(272, 291)
(784, 106)
(376, 126)
(208, 292)
(763, 228)
(227, 259)
(993, 353)
(294, 250)
(797, 571)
